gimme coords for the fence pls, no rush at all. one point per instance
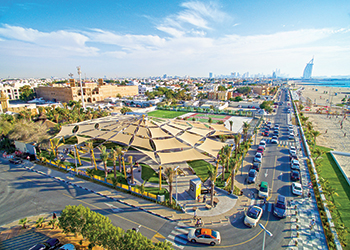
(109, 182)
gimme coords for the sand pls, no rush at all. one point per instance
(323, 95)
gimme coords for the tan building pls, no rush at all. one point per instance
(261, 90)
(12, 91)
(93, 92)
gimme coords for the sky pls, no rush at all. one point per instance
(142, 38)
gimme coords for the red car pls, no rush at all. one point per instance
(266, 133)
(260, 150)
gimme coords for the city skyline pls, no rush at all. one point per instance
(144, 38)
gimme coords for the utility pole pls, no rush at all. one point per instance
(81, 88)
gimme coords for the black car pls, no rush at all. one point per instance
(295, 175)
(16, 160)
(50, 244)
(256, 166)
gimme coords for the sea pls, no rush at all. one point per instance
(341, 83)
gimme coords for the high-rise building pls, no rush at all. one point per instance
(308, 69)
(210, 75)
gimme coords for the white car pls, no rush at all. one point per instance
(262, 144)
(274, 140)
(253, 216)
(292, 150)
(291, 136)
(204, 235)
(258, 157)
(297, 189)
(294, 164)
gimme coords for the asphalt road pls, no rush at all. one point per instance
(25, 193)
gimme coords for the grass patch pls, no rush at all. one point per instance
(330, 172)
(166, 114)
(71, 140)
(325, 149)
(201, 168)
(120, 176)
(219, 183)
(149, 175)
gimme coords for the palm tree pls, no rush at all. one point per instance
(212, 176)
(119, 152)
(90, 146)
(55, 144)
(309, 126)
(131, 169)
(315, 133)
(231, 124)
(169, 172)
(318, 153)
(237, 139)
(40, 222)
(246, 127)
(104, 157)
(90, 172)
(114, 155)
(24, 222)
(233, 173)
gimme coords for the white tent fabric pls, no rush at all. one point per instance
(219, 127)
(198, 131)
(106, 135)
(93, 133)
(158, 132)
(181, 126)
(150, 154)
(181, 156)
(82, 139)
(65, 130)
(171, 130)
(131, 129)
(191, 139)
(143, 132)
(85, 127)
(141, 142)
(166, 144)
(120, 137)
(211, 147)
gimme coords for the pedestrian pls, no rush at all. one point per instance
(326, 131)
(309, 195)
(344, 134)
(312, 223)
(204, 198)
(54, 216)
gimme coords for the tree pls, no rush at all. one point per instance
(55, 144)
(212, 176)
(237, 99)
(237, 139)
(315, 133)
(104, 158)
(72, 219)
(233, 164)
(90, 172)
(24, 222)
(210, 120)
(119, 150)
(131, 169)
(318, 153)
(26, 93)
(40, 222)
(124, 110)
(90, 147)
(231, 124)
(170, 173)
(114, 155)
(221, 88)
(246, 127)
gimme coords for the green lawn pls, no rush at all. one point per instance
(201, 168)
(149, 175)
(330, 172)
(166, 114)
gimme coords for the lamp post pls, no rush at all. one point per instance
(75, 158)
(81, 88)
(175, 169)
(265, 231)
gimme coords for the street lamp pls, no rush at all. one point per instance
(81, 88)
(265, 231)
(175, 169)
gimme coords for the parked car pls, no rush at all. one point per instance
(263, 190)
(252, 176)
(15, 160)
(50, 244)
(297, 188)
(258, 157)
(265, 133)
(260, 150)
(292, 149)
(204, 235)
(256, 166)
(253, 216)
(295, 175)
(291, 136)
(280, 206)
(277, 126)
(293, 157)
(294, 164)
(262, 144)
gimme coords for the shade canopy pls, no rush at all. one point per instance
(167, 144)
(142, 143)
(211, 147)
(191, 139)
(181, 156)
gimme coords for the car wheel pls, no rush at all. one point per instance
(212, 243)
(193, 241)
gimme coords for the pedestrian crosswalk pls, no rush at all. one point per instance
(286, 143)
(178, 237)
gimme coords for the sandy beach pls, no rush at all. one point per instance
(320, 95)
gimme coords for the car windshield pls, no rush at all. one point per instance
(251, 173)
(280, 205)
(263, 189)
(297, 188)
(253, 213)
(197, 232)
(214, 234)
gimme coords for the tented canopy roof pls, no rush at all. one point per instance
(181, 156)
(106, 135)
(191, 139)
(143, 131)
(66, 130)
(82, 139)
(212, 147)
(123, 138)
(172, 130)
(85, 127)
(150, 154)
(202, 132)
(166, 144)
(158, 132)
(131, 129)
(141, 142)
(94, 133)
(220, 127)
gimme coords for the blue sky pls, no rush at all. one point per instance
(134, 38)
